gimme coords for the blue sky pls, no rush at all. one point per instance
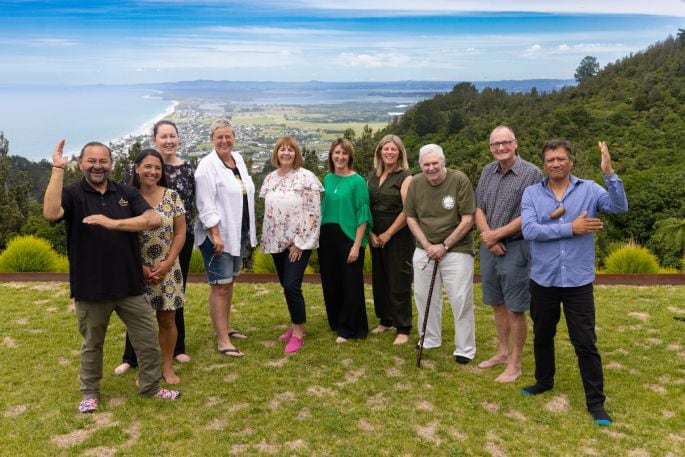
(127, 41)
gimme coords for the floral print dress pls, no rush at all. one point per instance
(155, 245)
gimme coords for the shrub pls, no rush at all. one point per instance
(631, 258)
(197, 265)
(367, 259)
(262, 263)
(62, 264)
(27, 253)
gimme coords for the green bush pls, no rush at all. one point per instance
(631, 258)
(62, 264)
(27, 253)
(367, 259)
(262, 263)
(197, 265)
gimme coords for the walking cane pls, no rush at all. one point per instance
(425, 314)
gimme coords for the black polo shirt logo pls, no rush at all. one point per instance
(123, 202)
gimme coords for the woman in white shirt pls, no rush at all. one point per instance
(292, 216)
(225, 224)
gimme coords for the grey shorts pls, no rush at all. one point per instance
(505, 278)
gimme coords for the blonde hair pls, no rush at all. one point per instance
(402, 163)
(219, 124)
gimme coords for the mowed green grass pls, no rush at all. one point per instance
(361, 398)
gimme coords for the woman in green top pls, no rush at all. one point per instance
(392, 244)
(345, 222)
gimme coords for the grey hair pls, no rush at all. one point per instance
(429, 148)
(219, 124)
(504, 127)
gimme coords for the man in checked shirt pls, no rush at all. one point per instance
(504, 254)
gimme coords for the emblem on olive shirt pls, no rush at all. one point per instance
(448, 202)
(123, 202)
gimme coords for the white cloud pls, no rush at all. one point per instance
(401, 7)
(389, 59)
(533, 50)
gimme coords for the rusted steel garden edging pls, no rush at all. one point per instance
(669, 279)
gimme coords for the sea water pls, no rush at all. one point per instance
(34, 119)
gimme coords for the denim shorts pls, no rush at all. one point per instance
(220, 268)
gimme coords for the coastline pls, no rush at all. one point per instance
(145, 129)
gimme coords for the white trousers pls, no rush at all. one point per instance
(455, 274)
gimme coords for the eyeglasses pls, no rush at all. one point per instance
(506, 144)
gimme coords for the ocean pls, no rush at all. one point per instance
(34, 119)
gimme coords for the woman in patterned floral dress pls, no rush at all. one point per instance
(292, 215)
(160, 248)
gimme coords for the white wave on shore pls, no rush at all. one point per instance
(145, 129)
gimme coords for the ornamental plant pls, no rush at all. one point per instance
(631, 258)
(27, 253)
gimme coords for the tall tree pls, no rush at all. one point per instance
(311, 160)
(123, 163)
(588, 67)
(14, 196)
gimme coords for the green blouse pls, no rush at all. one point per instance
(346, 203)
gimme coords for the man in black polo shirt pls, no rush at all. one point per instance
(105, 268)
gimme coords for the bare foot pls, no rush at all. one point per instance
(340, 340)
(497, 359)
(182, 358)
(380, 329)
(400, 339)
(171, 378)
(121, 369)
(508, 375)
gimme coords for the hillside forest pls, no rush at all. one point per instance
(636, 105)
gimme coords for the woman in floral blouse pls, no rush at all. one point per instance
(290, 230)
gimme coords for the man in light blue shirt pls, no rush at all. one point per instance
(559, 217)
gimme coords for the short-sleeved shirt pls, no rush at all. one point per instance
(439, 209)
(346, 203)
(103, 264)
(499, 194)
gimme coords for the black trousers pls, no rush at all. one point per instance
(290, 276)
(579, 310)
(342, 284)
(180, 348)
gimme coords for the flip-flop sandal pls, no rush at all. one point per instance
(237, 335)
(231, 352)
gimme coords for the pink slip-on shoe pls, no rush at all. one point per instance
(167, 394)
(286, 336)
(294, 344)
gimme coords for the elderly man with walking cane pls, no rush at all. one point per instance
(440, 206)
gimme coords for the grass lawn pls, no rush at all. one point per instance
(357, 399)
